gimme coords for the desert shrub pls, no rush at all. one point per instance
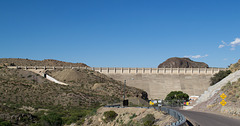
(52, 119)
(219, 76)
(133, 116)
(148, 120)
(5, 123)
(12, 64)
(29, 76)
(73, 117)
(109, 116)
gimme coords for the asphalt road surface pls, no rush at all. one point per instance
(208, 119)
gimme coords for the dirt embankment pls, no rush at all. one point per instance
(128, 116)
(93, 81)
(28, 62)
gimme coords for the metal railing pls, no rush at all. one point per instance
(177, 115)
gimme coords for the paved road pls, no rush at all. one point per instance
(207, 119)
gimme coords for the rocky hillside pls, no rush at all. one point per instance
(46, 62)
(94, 82)
(26, 97)
(235, 67)
(130, 117)
(176, 62)
(232, 91)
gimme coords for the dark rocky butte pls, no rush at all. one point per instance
(176, 62)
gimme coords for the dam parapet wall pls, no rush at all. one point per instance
(117, 70)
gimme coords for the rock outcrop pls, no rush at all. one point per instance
(176, 62)
(235, 67)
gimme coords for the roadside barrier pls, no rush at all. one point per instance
(177, 115)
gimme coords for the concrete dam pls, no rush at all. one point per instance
(157, 82)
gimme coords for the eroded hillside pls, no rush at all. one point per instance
(26, 96)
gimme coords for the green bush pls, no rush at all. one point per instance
(177, 95)
(148, 120)
(5, 123)
(219, 76)
(73, 117)
(133, 116)
(52, 119)
(109, 116)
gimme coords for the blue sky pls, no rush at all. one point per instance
(121, 33)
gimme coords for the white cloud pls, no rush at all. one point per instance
(221, 46)
(233, 44)
(197, 56)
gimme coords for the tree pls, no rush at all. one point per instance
(177, 95)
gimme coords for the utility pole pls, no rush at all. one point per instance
(124, 90)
